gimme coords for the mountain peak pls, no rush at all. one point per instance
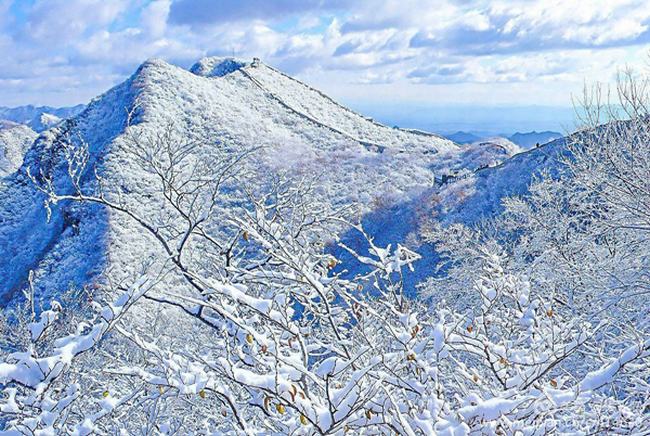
(152, 65)
(216, 66)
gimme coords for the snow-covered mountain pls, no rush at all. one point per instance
(246, 308)
(525, 140)
(500, 144)
(39, 118)
(231, 106)
(15, 139)
(45, 121)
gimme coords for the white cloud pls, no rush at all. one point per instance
(154, 16)
(62, 21)
(375, 42)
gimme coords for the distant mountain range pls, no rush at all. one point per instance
(39, 118)
(530, 139)
(524, 140)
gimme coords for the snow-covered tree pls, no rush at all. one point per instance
(245, 323)
(579, 238)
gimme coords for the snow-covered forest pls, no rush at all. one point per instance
(168, 274)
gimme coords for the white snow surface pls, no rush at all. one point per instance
(47, 121)
(509, 147)
(15, 139)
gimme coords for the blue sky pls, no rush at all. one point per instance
(520, 60)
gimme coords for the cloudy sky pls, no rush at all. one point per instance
(407, 61)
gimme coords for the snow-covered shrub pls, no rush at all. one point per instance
(292, 347)
(579, 240)
(246, 324)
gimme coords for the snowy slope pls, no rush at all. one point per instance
(232, 107)
(507, 146)
(469, 198)
(45, 121)
(15, 139)
(483, 192)
(31, 241)
(314, 104)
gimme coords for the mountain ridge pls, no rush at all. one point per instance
(230, 115)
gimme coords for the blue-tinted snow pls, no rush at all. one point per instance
(469, 200)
